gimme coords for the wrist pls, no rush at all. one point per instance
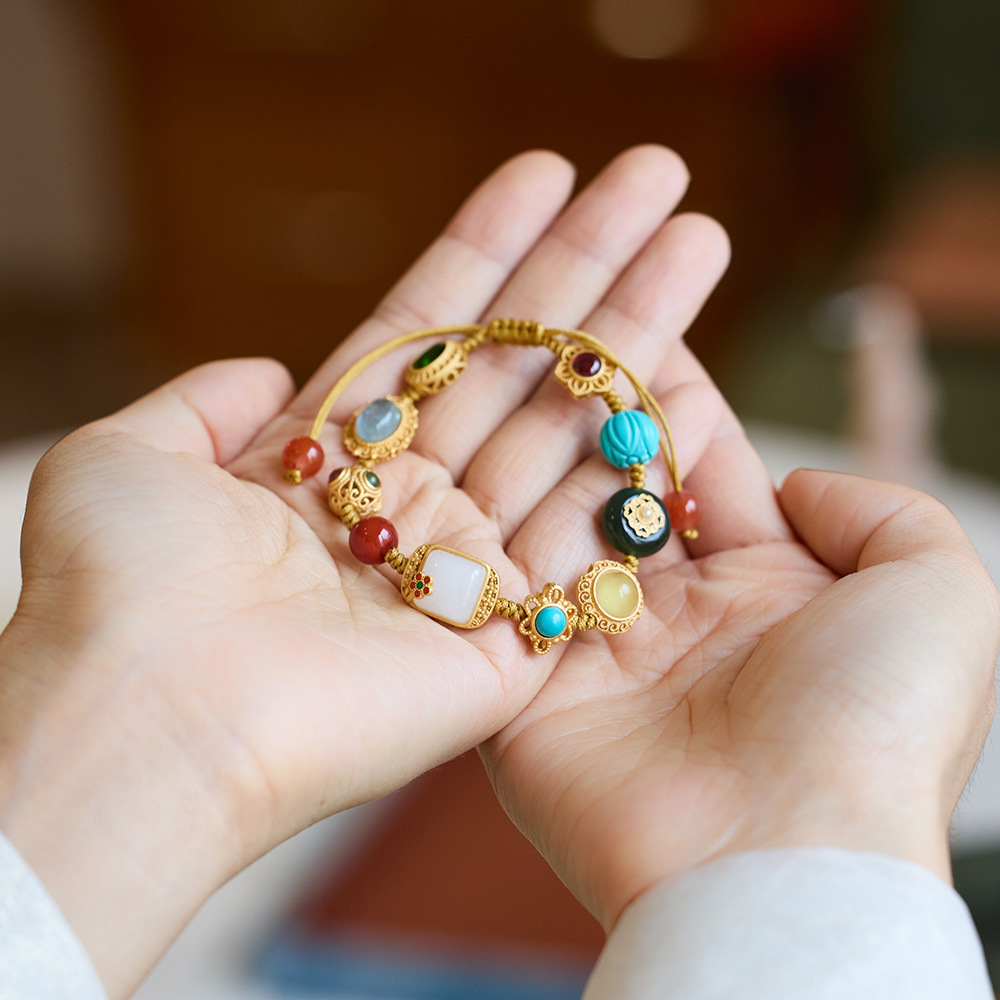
(105, 798)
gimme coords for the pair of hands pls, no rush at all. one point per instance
(198, 668)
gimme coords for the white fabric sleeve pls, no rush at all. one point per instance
(795, 924)
(40, 956)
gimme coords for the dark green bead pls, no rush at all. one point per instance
(431, 354)
(622, 535)
(373, 481)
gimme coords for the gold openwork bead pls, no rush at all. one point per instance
(355, 486)
(437, 367)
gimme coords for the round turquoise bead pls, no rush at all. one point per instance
(623, 535)
(628, 438)
(377, 420)
(550, 621)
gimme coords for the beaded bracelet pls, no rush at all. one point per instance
(457, 588)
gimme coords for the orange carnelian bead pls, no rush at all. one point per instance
(303, 455)
(371, 538)
(685, 514)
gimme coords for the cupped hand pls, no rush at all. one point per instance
(817, 669)
(198, 667)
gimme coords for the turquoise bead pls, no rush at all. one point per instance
(550, 621)
(377, 420)
(628, 438)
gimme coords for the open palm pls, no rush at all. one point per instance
(224, 623)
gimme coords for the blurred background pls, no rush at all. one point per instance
(187, 180)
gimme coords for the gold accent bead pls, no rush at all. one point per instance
(352, 487)
(637, 475)
(293, 476)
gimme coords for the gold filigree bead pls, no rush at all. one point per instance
(437, 368)
(549, 618)
(611, 593)
(356, 486)
(583, 372)
(381, 429)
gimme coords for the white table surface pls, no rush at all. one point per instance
(208, 961)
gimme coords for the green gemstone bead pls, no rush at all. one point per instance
(373, 481)
(431, 354)
(636, 522)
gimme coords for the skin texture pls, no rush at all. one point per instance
(198, 668)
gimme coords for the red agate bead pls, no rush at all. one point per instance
(685, 514)
(371, 538)
(303, 455)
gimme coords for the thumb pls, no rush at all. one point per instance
(852, 524)
(213, 411)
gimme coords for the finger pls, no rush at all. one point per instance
(640, 320)
(213, 411)
(733, 487)
(915, 582)
(460, 272)
(558, 283)
(852, 523)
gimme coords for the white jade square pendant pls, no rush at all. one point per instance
(451, 586)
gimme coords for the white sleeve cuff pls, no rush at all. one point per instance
(822, 924)
(40, 956)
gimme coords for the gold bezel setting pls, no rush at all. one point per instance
(551, 595)
(583, 385)
(586, 591)
(391, 446)
(441, 372)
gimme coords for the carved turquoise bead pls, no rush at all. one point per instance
(628, 438)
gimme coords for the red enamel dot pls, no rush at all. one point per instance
(685, 514)
(586, 364)
(371, 538)
(304, 455)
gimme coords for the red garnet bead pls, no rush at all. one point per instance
(371, 538)
(586, 364)
(303, 455)
(685, 514)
